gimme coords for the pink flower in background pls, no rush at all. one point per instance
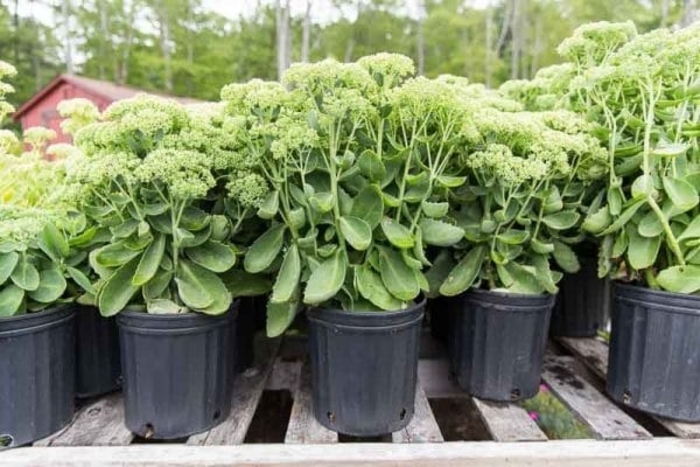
(544, 388)
(534, 415)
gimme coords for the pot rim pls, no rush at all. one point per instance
(369, 314)
(658, 300)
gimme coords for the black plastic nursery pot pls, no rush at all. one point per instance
(364, 368)
(582, 306)
(178, 371)
(654, 361)
(498, 342)
(98, 365)
(251, 319)
(37, 375)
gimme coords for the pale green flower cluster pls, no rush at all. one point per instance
(248, 188)
(328, 75)
(595, 41)
(6, 71)
(187, 174)
(38, 137)
(497, 161)
(390, 69)
(77, 113)
(23, 224)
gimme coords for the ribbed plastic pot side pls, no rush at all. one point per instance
(178, 371)
(364, 368)
(654, 361)
(37, 370)
(497, 343)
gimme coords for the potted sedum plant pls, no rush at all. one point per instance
(356, 155)
(645, 94)
(160, 181)
(528, 172)
(40, 275)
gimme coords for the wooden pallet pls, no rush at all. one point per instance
(97, 436)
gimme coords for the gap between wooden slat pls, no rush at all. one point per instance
(594, 354)
(247, 392)
(600, 414)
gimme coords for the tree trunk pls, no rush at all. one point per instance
(283, 36)
(123, 74)
(664, 12)
(488, 65)
(420, 38)
(507, 20)
(164, 26)
(515, 44)
(104, 38)
(306, 33)
(689, 13)
(66, 13)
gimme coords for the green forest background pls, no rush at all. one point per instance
(184, 48)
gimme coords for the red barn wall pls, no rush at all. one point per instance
(44, 113)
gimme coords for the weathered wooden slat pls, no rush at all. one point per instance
(508, 422)
(594, 354)
(247, 392)
(434, 375)
(303, 427)
(100, 423)
(423, 427)
(604, 418)
(660, 452)
(285, 375)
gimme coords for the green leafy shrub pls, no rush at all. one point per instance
(170, 198)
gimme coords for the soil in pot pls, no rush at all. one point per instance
(583, 304)
(364, 368)
(654, 361)
(178, 372)
(497, 343)
(37, 370)
(98, 365)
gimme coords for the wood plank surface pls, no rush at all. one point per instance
(508, 422)
(247, 392)
(660, 452)
(601, 415)
(303, 427)
(594, 354)
(285, 375)
(423, 427)
(100, 423)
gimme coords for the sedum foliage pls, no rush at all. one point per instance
(642, 91)
(160, 184)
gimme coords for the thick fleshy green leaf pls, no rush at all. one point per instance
(194, 219)
(150, 261)
(157, 285)
(438, 272)
(53, 243)
(270, 205)
(190, 276)
(650, 225)
(450, 181)
(541, 247)
(220, 227)
(356, 231)
(115, 255)
(118, 290)
(544, 273)
(565, 257)
(81, 279)
(397, 234)
(463, 275)
(11, 298)
(8, 247)
(642, 251)
(280, 316)
(25, 275)
(52, 284)
(669, 150)
(514, 236)
(438, 233)
(371, 287)
(265, 249)
(399, 279)
(287, 281)
(682, 194)
(368, 206)
(371, 166)
(435, 210)
(8, 262)
(163, 306)
(692, 231)
(626, 215)
(213, 256)
(561, 220)
(326, 280)
(680, 279)
(597, 221)
(322, 202)
(244, 284)
(524, 279)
